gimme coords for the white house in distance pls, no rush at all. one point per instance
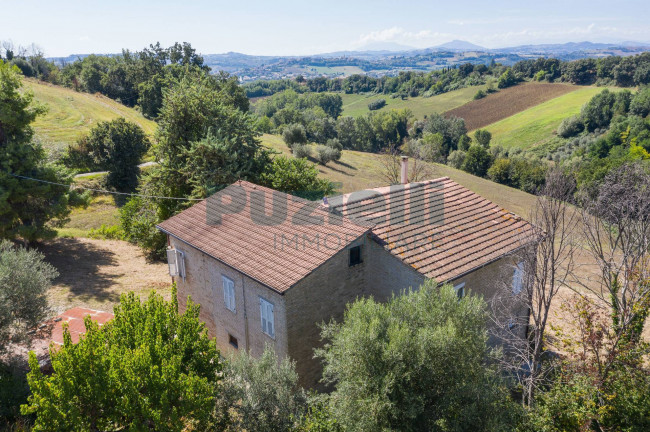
(268, 267)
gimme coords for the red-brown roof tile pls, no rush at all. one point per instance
(438, 227)
(75, 319)
(266, 253)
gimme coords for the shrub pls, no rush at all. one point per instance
(500, 171)
(464, 143)
(640, 104)
(261, 394)
(24, 280)
(117, 146)
(78, 156)
(334, 143)
(301, 151)
(107, 232)
(483, 137)
(149, 368)
(377, 104)
(138, 219)
(297, 177)
(570, 126)
(477, 161)
(294, 134)
(325, 154)
(480, 94)
(264, 124)
(598, 112)
(507, 79)
(429, 148)
(456, 159)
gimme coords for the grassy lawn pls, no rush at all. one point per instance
(101, 211)
(356, 105)
(359, 170)
(71, 114)
(536, 126)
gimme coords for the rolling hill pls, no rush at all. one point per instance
(359, 170)
(535, 127)
(71, 114)
(507, 102)
(356, 105)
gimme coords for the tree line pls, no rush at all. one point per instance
(620, 71)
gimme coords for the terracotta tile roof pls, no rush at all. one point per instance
(274, 238)
(75, 319)
(438, 227)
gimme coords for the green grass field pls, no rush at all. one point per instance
(535, 127)
(359, 170)
(71, 114)
(356, 105)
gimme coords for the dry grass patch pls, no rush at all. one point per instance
(93, 273)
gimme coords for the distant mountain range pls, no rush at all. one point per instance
(388, 58)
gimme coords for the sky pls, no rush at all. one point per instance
(286, 27)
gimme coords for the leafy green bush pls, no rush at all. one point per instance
(150, 368)
(301, 151)
(640, 104)
(480, 94)
(483, 137)
(377, 104)
(570, 126)
(294, 134)
(297, 177)
(325, 154)
(598, 112)
(107, 232)
(138, 219)
(319, 417)
(25, 278)
(500, 171)
(477, 160)
(261, 394)
(507, 79)
(456, 159)
(117, 146)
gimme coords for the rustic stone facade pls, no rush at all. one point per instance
(319, 297)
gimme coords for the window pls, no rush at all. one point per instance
(233, 341)
(460, 290)
(176, 262)
(518, 278)
(266, 312)
(355, 256)
(228, 293)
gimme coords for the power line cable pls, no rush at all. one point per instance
(103, 190)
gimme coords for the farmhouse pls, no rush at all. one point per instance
(268, 267)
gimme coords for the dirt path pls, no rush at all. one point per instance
(93, 273)
(89, 174)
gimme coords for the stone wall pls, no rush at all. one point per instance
(203, 283)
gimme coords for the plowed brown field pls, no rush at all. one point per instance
(507, 102)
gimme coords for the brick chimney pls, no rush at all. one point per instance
(405, 170)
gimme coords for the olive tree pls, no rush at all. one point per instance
(261, 394)
(24, 280)
(417, 362)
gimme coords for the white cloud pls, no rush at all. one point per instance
(422, 38)
(592, 32)
(84, 38)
